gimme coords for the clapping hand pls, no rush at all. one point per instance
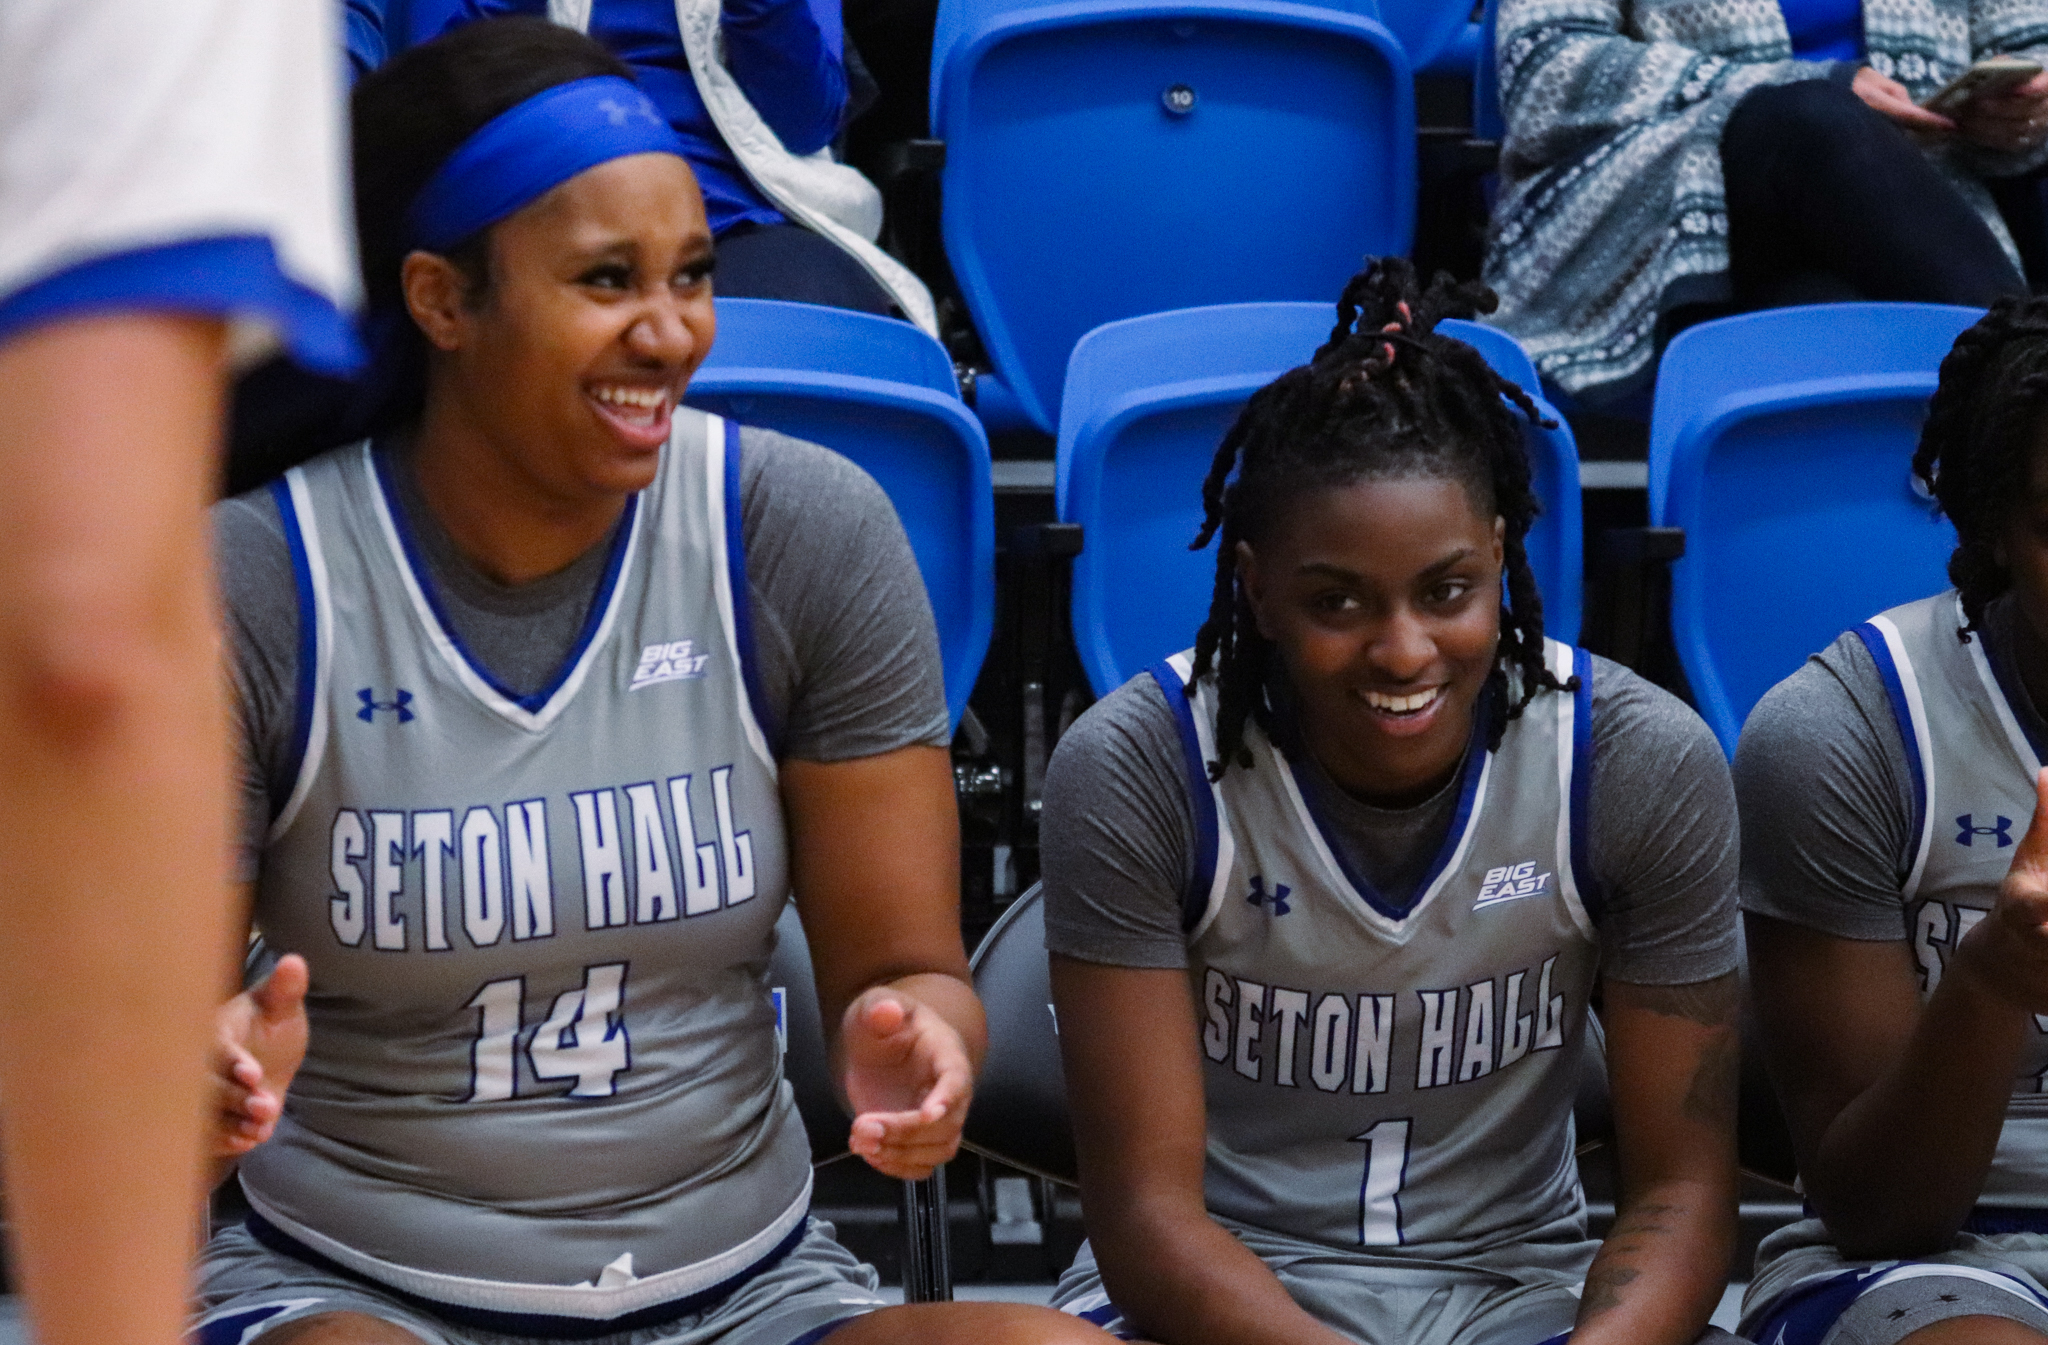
(259, 1041)
(907, 1074)
(2008, 948)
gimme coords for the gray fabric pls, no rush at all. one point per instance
(1803, 1253)
(843, 634)
(818, 1283)
(1612, 209)
(1826, 792)
(1118, 834)
(1896, 1308)
(1367, 1298)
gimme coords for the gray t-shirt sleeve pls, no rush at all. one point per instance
(259, 600)
(1662, 839)
(844, 637)
(1826, 797)
(1117, 836)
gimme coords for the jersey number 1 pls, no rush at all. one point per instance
(584, 1038)
(1379, 1192)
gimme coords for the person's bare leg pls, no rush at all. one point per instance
(339, 1328)
(968, 1324)
(113, 815)
(1976, 1331)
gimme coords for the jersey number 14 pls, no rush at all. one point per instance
(584, 1037)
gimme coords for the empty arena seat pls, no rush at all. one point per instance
(1438, 35)
(1147, 401)
(1106, 158)
(1782, 443)
(927, 1263)
(882, 393)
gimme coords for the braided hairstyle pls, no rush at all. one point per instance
(1385, 397)
(1978, 444)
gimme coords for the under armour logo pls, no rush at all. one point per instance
(1278, 899)
(620, 113)
(1966, 829)
(402, 706)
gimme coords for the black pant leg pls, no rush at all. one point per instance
(1829, 199)
(788, 261)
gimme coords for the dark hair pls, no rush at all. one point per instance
(1978, 443)
(1385, 397)
(409, 116)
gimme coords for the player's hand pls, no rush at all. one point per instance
(2013, 119)
(1890, 97)
(2008, 949)
(259, 1040)
(909, 1079)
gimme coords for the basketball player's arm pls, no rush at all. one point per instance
(1672, 1055)
(1865, 1073)
(874, 848)
(1128, 1041)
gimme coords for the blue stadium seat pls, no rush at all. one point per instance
(882, 393)
(1431, 31)
(1147, 402)
(1782, 442)
(1107, 158)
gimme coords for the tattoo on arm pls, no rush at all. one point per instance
(1638, 1228)
(1710, 1098)
(1712, 1003)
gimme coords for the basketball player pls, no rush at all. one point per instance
(170, 204)
(1332, 892)
(1895, 889)
(551, 694)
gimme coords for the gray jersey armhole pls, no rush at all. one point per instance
(846, 651)
(260, 600)
(1827, 800)
(1662, 838)
(1118, 833)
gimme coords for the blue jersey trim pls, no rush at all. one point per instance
(233, 277)
(742, 595)
(2015, 697)
(546, 1325)
(1902, 714)
(1195, 900)
(1992, 1222)
(1591, 895)
(307, 684)
(1468, 796)
(600, 601)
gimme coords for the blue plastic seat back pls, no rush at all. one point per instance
(858, 384)
(1426, 28)
(1150, 399)
(1488, 122)
(1109, 158)
(1782, 442)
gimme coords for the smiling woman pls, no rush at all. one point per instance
(1332, 890)
(481, 661)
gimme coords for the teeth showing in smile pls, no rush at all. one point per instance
(644, 398)
(1402, 705)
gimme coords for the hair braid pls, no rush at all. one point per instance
(1977, 446)
(1385, 395)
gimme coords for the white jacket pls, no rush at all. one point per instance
(813, 190)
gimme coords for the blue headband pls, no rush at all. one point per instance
(531, 148)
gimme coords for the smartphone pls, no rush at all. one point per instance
(1993, 74)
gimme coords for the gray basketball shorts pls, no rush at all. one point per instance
(247, 1289)
(1371, 1303)
(1883, 1304)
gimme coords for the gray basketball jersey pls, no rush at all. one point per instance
(1973, 770)
(544, 1082)
(1391, 1078)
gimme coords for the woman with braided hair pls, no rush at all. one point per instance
(1329, 895)
(1895, 888)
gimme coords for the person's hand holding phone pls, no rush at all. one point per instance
(1888, 96)
(2011, 118)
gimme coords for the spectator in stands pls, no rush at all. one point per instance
(1328, 899)
(171, 206)
(543, 1096)
(1667, 160)
(1895, 888)
(758, 91)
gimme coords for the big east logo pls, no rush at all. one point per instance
(1511, 882)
